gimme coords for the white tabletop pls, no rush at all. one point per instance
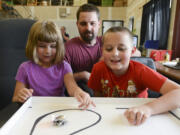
(106, 118)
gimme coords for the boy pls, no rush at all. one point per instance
(118, 76)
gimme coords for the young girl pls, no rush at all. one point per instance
(46, 72)
(118, 76)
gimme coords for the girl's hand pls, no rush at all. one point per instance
(137, 115)
(77, 92)
(23, 95)
(84, 99)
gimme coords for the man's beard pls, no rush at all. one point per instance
(86, 37)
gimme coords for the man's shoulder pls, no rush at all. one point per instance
(77, 41)
(73, 41)
(73, 45)
(99, 38)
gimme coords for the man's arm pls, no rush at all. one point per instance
(84, 75)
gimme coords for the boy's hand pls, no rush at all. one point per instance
(137, 115)
(84, 99)
(24, 94)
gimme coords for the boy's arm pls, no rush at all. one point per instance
(170, 100)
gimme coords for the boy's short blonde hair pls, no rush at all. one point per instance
(45, 31)
(118, 29)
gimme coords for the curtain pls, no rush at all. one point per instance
(155, 22)
(161, 22)
(146, 24)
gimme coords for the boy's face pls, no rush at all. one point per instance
(117, 51)
(88, 26)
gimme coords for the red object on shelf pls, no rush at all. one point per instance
(159, 55)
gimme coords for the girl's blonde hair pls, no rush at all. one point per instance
(118, 29)
(45, 31)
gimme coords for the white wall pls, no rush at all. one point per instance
(70, 25)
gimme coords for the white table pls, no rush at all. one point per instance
(106, 118)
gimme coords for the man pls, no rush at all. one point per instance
(84, 51)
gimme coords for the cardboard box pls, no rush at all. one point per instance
(160, 55)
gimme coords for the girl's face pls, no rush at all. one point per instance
(117, 51)
(46, 53)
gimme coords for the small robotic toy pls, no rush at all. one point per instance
(59, 120)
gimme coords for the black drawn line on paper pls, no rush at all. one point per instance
(43, 116)
(174, 115)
